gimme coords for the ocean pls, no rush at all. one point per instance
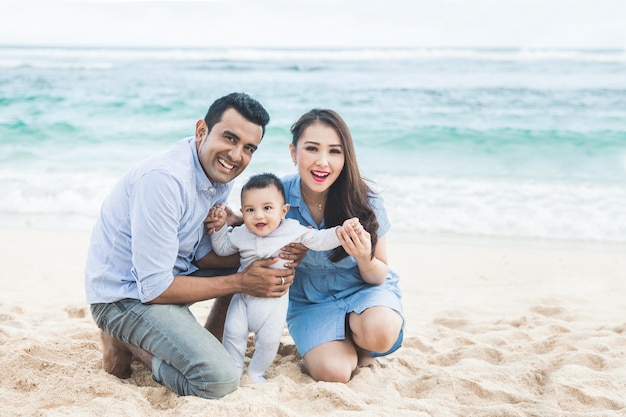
(494, 143)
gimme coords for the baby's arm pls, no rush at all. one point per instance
(326, 239)
(220, 236)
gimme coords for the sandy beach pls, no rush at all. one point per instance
(494, 328)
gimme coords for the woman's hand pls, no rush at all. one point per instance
(357, 242)
(355, 239)
(294, 252)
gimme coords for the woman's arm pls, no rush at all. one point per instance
(374, 270)
(357, 242)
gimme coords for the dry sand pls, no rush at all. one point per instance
(493, 329)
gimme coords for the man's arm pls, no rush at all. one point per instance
(258, 280)
(213, 260)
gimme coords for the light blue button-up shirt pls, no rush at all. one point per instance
(151, 228)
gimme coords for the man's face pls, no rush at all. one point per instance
(226, 151)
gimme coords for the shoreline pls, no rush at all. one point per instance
(394, 236)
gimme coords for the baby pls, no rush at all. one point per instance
(264, 231)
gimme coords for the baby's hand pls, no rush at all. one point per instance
(216, 218)
(352, 224)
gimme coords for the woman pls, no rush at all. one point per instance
(344, 304)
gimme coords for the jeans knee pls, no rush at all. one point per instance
(217, 383)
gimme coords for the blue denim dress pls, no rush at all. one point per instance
(324, 292)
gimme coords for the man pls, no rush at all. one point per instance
(148, 243)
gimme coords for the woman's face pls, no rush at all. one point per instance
(319, 156)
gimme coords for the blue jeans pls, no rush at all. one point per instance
(188, 359)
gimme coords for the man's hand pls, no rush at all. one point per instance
(232, 219)
(260, 280)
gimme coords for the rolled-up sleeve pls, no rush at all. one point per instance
(156, 207)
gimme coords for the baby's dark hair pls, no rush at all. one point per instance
(264, 180)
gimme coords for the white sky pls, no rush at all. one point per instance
(319, 23)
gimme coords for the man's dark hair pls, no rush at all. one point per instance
(245, 105)
(265, 180)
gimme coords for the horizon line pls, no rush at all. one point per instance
(319, 47)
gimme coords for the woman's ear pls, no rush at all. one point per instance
(292, 151)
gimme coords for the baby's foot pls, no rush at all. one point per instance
(257, 379)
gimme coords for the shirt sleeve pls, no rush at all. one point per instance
(205, 246)
(324, 239)
(377, 204)
(156, 206)
(221, 242)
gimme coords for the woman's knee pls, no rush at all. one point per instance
(330, 371)
(331, 362)
(376, 329)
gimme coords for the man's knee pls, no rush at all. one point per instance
(214, 384)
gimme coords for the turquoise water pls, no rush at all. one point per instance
(497, 143)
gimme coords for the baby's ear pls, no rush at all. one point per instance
(285, 209)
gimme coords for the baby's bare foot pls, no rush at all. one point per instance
(116, 357)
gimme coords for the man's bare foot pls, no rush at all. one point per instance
(116, 357)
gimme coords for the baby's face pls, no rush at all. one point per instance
(263, 209)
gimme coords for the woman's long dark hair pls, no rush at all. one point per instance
(348, 195)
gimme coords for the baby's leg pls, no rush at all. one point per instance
(267, 334)
(236, 330)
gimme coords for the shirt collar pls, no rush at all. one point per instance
(203, 183)
(295, 196)
(297, 202)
